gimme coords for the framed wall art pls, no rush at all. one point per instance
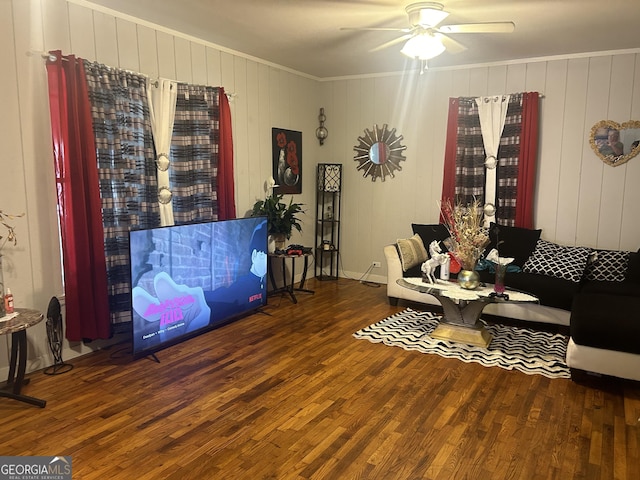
(615, 143)
(287, 160)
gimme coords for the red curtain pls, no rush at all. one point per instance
(226, 194)
(527, 160)
(79, 206)
(449, 178)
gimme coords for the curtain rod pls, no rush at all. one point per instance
(52, 58)
(230, 95)
(46, 55)
(540, 95)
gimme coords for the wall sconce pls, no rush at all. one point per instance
(321, 131)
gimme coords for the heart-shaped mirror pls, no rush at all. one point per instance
(615, 143)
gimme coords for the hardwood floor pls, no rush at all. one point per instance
(294, 396)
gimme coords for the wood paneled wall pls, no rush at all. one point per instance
(264, 96)
(579, 199)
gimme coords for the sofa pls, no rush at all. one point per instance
(592, 293)
(605, 326)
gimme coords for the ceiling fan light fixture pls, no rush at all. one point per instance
(430, 17)
(423, 46)
(426, 14)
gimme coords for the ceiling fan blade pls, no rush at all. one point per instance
(452, 46)
(391, 43)
(489, 27)
(378, 29)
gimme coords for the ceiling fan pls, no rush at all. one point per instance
(425, 39)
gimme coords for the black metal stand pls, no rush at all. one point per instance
(55, 344)
(328, 206)
(289, 287)
(504, 296)
(54, 334)
(17, 367)
(58, 368)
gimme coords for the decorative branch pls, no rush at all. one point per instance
(11, 236)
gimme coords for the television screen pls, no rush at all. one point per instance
(188, 279)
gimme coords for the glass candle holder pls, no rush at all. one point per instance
(498, 285)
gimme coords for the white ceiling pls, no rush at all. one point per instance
(305, 35)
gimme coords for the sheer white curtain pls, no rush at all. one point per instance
(162, 107)
(492, 111)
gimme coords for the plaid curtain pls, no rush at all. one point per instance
(126, 170)
(195, 154)
(509, 163)
(469, 154)
(470, 157)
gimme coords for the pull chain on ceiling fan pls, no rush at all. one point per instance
(425, 39)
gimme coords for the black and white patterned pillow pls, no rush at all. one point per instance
(607, 265)
(558, 261)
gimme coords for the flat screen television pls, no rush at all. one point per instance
(188, 279)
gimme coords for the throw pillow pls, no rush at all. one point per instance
(632, 274)
(515, 242)
(412, 252)
(607, 265)
(429, 233)
(557, 261)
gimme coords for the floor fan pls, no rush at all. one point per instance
(54, 334)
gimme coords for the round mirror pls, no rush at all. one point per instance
(615, 144)
(379, 153)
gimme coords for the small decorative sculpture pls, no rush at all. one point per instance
(437, 258)
(492, 256)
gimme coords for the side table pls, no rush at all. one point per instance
(288, 287)
(17, 327)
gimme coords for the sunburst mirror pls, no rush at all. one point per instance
(379, 153)
(614, 143)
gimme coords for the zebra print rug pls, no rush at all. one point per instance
(512, 348)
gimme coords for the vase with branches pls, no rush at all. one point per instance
(8, 237)
(468, 238)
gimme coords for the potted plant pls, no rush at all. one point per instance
(281, 218)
